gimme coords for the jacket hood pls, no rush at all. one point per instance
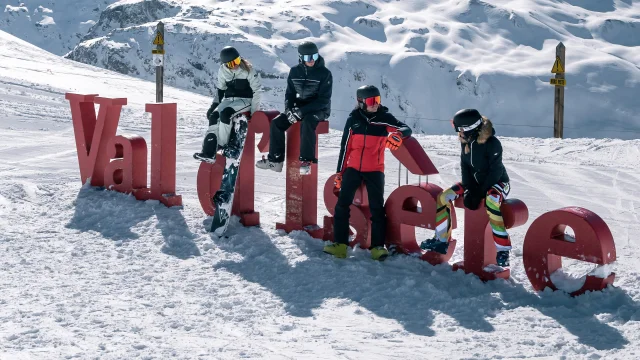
(486, 131)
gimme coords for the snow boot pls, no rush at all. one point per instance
(435, 245)
(337, 250)
(265, 164)
(379, 253)
(502, 258)
(209, 148)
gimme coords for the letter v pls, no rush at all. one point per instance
(92, 135)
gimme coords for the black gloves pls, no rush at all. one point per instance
(472, 198)
(294, 115)
(211, 111)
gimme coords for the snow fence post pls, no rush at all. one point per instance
(158, 60)
(559, 82)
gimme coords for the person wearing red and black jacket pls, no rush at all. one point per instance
(370, 129)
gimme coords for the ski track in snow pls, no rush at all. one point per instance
(88, 273)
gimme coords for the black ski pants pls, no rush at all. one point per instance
(351, 180)
(279, 126)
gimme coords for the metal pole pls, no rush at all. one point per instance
(399, 172)
(158, 60)
(406, 182)
(559, 82)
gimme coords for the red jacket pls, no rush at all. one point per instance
(364, 138)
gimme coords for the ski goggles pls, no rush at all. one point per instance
(308, 58)
(467, 129)
(375, 100)
(233, 63)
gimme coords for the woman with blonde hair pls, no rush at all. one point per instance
(483, 177)
(238, 91)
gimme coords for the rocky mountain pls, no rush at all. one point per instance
(430, 58)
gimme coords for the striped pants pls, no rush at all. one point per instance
(493, 200)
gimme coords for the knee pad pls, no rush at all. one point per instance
(226, 114)
(213, 118)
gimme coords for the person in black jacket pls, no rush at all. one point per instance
(307, 99)
(370, 129)
(483, 177)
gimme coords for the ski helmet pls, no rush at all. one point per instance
(365, 93)
(228, 54)
(467, 121)
(308, 51)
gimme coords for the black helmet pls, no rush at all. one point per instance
(467, 121)
(307, 48)
(228, 53)
(364, 92)
(367, 91)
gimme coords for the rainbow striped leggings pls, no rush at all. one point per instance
(493, 200)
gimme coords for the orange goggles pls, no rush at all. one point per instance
(233, 63)
(372, 101)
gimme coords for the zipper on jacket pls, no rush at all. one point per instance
(475, 173)
(364, 145)
(306, 79)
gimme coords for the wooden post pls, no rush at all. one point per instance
(158, 60)
(560, 82)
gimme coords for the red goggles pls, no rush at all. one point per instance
(372, 101)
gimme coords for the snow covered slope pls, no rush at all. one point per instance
(88, 273)
(431, 57)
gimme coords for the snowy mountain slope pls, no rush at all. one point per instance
(430, 57)
(56, 26)
(88, 273)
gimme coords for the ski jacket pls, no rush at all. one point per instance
(309, 88)
(239, 83)
(364, 139)
(481, 161)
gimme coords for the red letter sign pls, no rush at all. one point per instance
(546, 243)
(128, 169)
(479, 248)
(210, 175)
(163, 156)
(403, 217)
(92, 135)
(360, 213)
(302, 190)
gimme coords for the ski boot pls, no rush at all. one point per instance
(267, 164)
(502, 258)
(379, 253)
(337, 250)
(435, 245)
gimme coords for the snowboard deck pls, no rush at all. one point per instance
(223, 198)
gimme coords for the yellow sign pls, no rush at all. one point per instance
(157, 51)
(557, 66)
(158, 40)
(558, 82)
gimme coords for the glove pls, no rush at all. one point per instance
(212, 108)
(394, 140)
(472, 199)
(337, 182)
(294, 115)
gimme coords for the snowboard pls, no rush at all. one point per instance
(223, 198)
